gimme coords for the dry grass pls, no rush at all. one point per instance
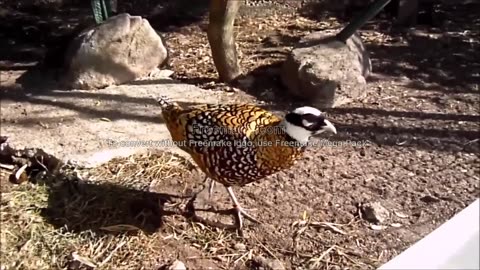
(87, 216)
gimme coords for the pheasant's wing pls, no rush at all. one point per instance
(220, 139)
(210, 126)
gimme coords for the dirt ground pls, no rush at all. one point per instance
(412, 145)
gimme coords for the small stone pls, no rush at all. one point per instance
(377, 227)
(277, 265)
(429, 199)
(177, 265)
(163, 73)
(240, 247)
(267, 264)
(369, 178)
(375, 212)
(20, 175)
(400, 214)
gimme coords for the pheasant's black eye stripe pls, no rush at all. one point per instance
(311, 118)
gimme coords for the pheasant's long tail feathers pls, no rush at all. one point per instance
(170, 109)
(165, 102)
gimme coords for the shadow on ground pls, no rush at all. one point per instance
(81, 206)
(346, 11)
(53, 99)
(445, 63)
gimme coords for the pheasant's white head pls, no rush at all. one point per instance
(305, 122)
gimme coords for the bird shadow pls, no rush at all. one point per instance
(105, 208)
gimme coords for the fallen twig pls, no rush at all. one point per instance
(7, 166)
(328, 225)
(320, 258)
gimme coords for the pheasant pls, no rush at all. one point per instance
(237, 144)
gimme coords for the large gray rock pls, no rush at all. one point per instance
(326, 72)
(121, 49)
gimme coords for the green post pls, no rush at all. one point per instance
(101, 10)
(361, 19)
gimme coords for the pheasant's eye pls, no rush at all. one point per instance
(311, 121)
(307, 123)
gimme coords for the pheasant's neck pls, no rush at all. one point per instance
(277, 150)
(294, 134)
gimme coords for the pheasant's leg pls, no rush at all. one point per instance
(239, 209)
(210, 189)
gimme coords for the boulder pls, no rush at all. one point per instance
(326, 72)
(121, 49)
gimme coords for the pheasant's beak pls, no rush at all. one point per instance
(329, 127)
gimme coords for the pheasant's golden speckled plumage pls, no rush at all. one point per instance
(241, 143)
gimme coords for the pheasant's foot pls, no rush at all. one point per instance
(241, 212)
(210, 189)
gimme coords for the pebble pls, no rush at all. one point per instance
(177, 265)
(375, 212)
(240, 247)
(269, 264)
